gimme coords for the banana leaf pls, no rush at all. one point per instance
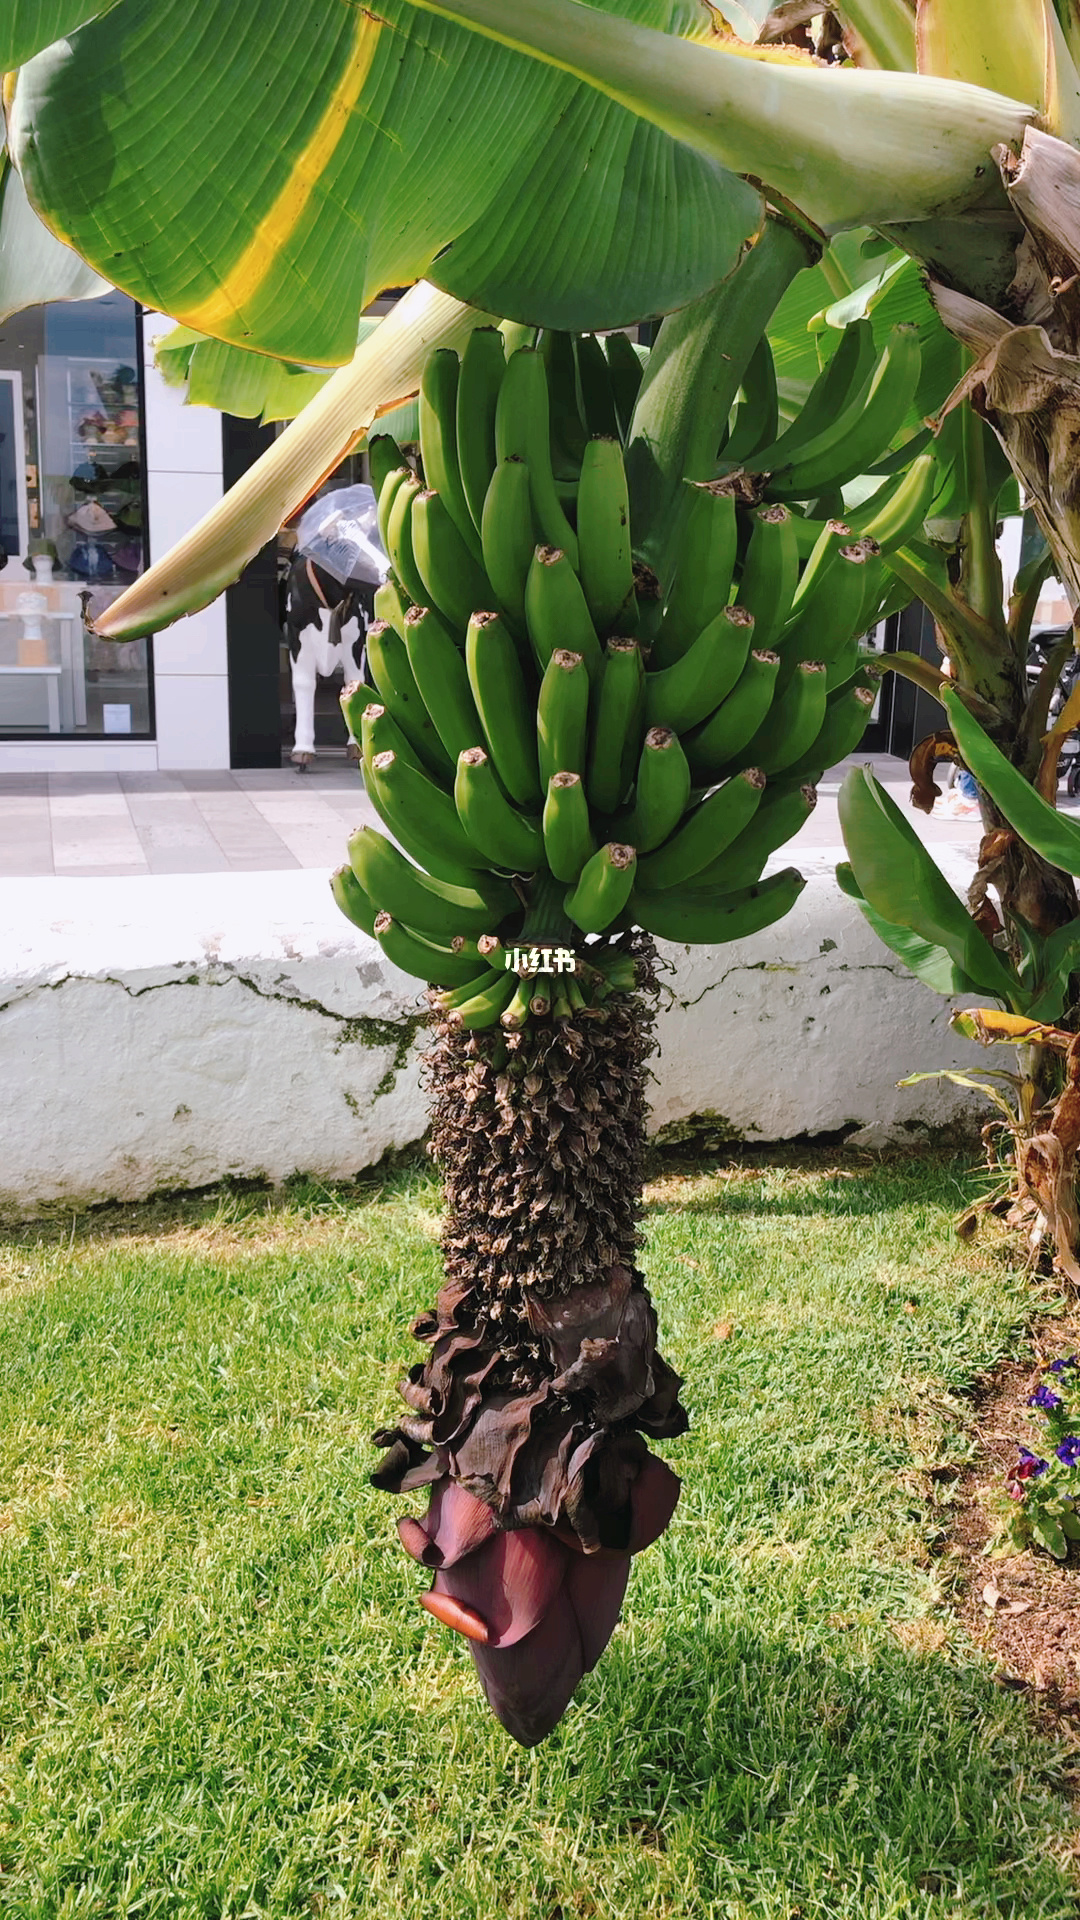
(215, 374)
(1053, 836)
(34, 265)
(899, 879)
(385, 368)
(849, 147)
(931, 964)
(262, 172)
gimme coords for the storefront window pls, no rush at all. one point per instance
(72, 504)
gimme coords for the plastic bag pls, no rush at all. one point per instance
(340, 532)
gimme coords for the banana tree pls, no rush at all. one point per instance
(574, 167)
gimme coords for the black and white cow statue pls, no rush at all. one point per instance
(325, 624)
(330, 601)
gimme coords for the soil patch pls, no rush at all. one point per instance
(1024, 1610)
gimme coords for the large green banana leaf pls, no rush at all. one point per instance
(34, 265)
(1052, 834)
(931, 964)
(260, 172)
(903, 884)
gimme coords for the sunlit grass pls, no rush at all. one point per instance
(218, 1696)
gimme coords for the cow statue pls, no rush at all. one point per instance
(330, 590)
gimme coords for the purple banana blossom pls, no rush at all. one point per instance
(536, 1609)
(527, 1430)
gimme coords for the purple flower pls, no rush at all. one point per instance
(1031, 1465)
(1061, 1366)
(1042, 1397)
(1069, 1450)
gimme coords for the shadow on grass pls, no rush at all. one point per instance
(833, 1771)
(840, 1185)
(229, 1203)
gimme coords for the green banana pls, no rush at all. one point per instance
(847, 715)
(792, 723)
(438, 441)
(556, 612)
(809, 529)
(522, 428)
(422, 958)
(440, 672)
(846, 448)
(694, 373)
(661, 790)
(567, 433)
(423, 818)
(430, 906)
(626, 369)
(896, 512)
(705, 832)
(594, 384)
(618, 969)
(820, 564)
(770, 573)
(455, 582)
(718, 742)
(456, 996)
(388, 661)
(384, 458)
(841, 379)
(603, 888)
(709, 919)
(615, 734)
(704, 566)
(568, 837)
(830, 620)
(485, 1007)
(783, 811)
(506, 706)
(374, 726)
(502, 835)
(483, 364)
(605, 562)
(756, 417)
(391, 484)
(878, 581)
(399, 540)
(507, 534)
(683, 694)
(516, 1013)
(562, 715)
(391, 605)
(353, 901)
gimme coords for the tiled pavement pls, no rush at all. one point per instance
(270, 820)
(136, 823)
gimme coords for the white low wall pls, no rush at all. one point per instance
(169, 1031)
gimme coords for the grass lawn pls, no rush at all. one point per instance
(218, 1696)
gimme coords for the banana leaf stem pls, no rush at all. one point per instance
(922, 673)
(983, 587)
(1037, 711)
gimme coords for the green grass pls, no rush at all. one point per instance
(218, 1696)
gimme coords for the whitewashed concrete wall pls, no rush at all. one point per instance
(169, 1031)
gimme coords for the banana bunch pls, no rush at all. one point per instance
(563, 747)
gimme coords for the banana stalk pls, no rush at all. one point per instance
(384, 369)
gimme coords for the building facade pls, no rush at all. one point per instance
(101, 468)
